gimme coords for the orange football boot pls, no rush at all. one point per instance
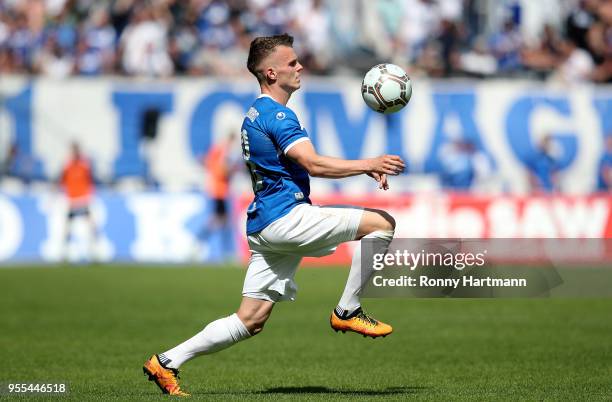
(361, 323)
(165, 378)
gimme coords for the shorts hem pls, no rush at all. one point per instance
(266, 295)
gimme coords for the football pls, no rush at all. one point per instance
(386, 88)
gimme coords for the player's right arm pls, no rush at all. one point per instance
(317, 165)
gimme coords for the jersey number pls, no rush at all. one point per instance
(256, 179)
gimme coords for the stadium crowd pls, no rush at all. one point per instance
(567, 39)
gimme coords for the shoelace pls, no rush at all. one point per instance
(175, 372)
(175, 385)
(363, 316)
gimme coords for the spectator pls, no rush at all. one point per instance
(579, 22)
(420, 24)
(478, 62)
(599, 40)
(144, 44)
(96, 48)
(185, 43)
(449, 43)
(210, 60)
(463, 165)
(201, 37)
(429, 61)
(21, 43)
(576, 64)
(120, 15)
(543, 167)
(268, 17)
(64, 28)
(53, 61)
(506, 45)
(544, 57)
(213, 25)
(314, 29)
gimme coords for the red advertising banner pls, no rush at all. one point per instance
(482, 217)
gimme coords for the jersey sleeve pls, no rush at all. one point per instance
(287, 131)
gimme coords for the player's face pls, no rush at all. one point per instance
(287, 68)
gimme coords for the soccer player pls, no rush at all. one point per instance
(282, 225)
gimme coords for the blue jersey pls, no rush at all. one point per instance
(268, 131)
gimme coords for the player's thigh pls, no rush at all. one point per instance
(373, 220)
(310, 230)
(331, 225)
(270, 276)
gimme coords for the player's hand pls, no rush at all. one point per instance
(381, 179)
(383, 183)
(387, 164)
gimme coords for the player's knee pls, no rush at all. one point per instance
(389, 221)
(375, 220)
(254, 320)
(256, 329)
(255, 324)
(384, 221)
(254, 313)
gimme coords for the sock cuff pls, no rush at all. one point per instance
(239, 326)
(386, 235)
(163, 360)
(346, 313)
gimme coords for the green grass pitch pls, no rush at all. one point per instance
(93, 327)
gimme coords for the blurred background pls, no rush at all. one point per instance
(119, 120)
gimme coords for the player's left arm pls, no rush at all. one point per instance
(292, 139)
(329, 167)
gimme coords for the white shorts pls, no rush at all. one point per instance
(306, 231)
